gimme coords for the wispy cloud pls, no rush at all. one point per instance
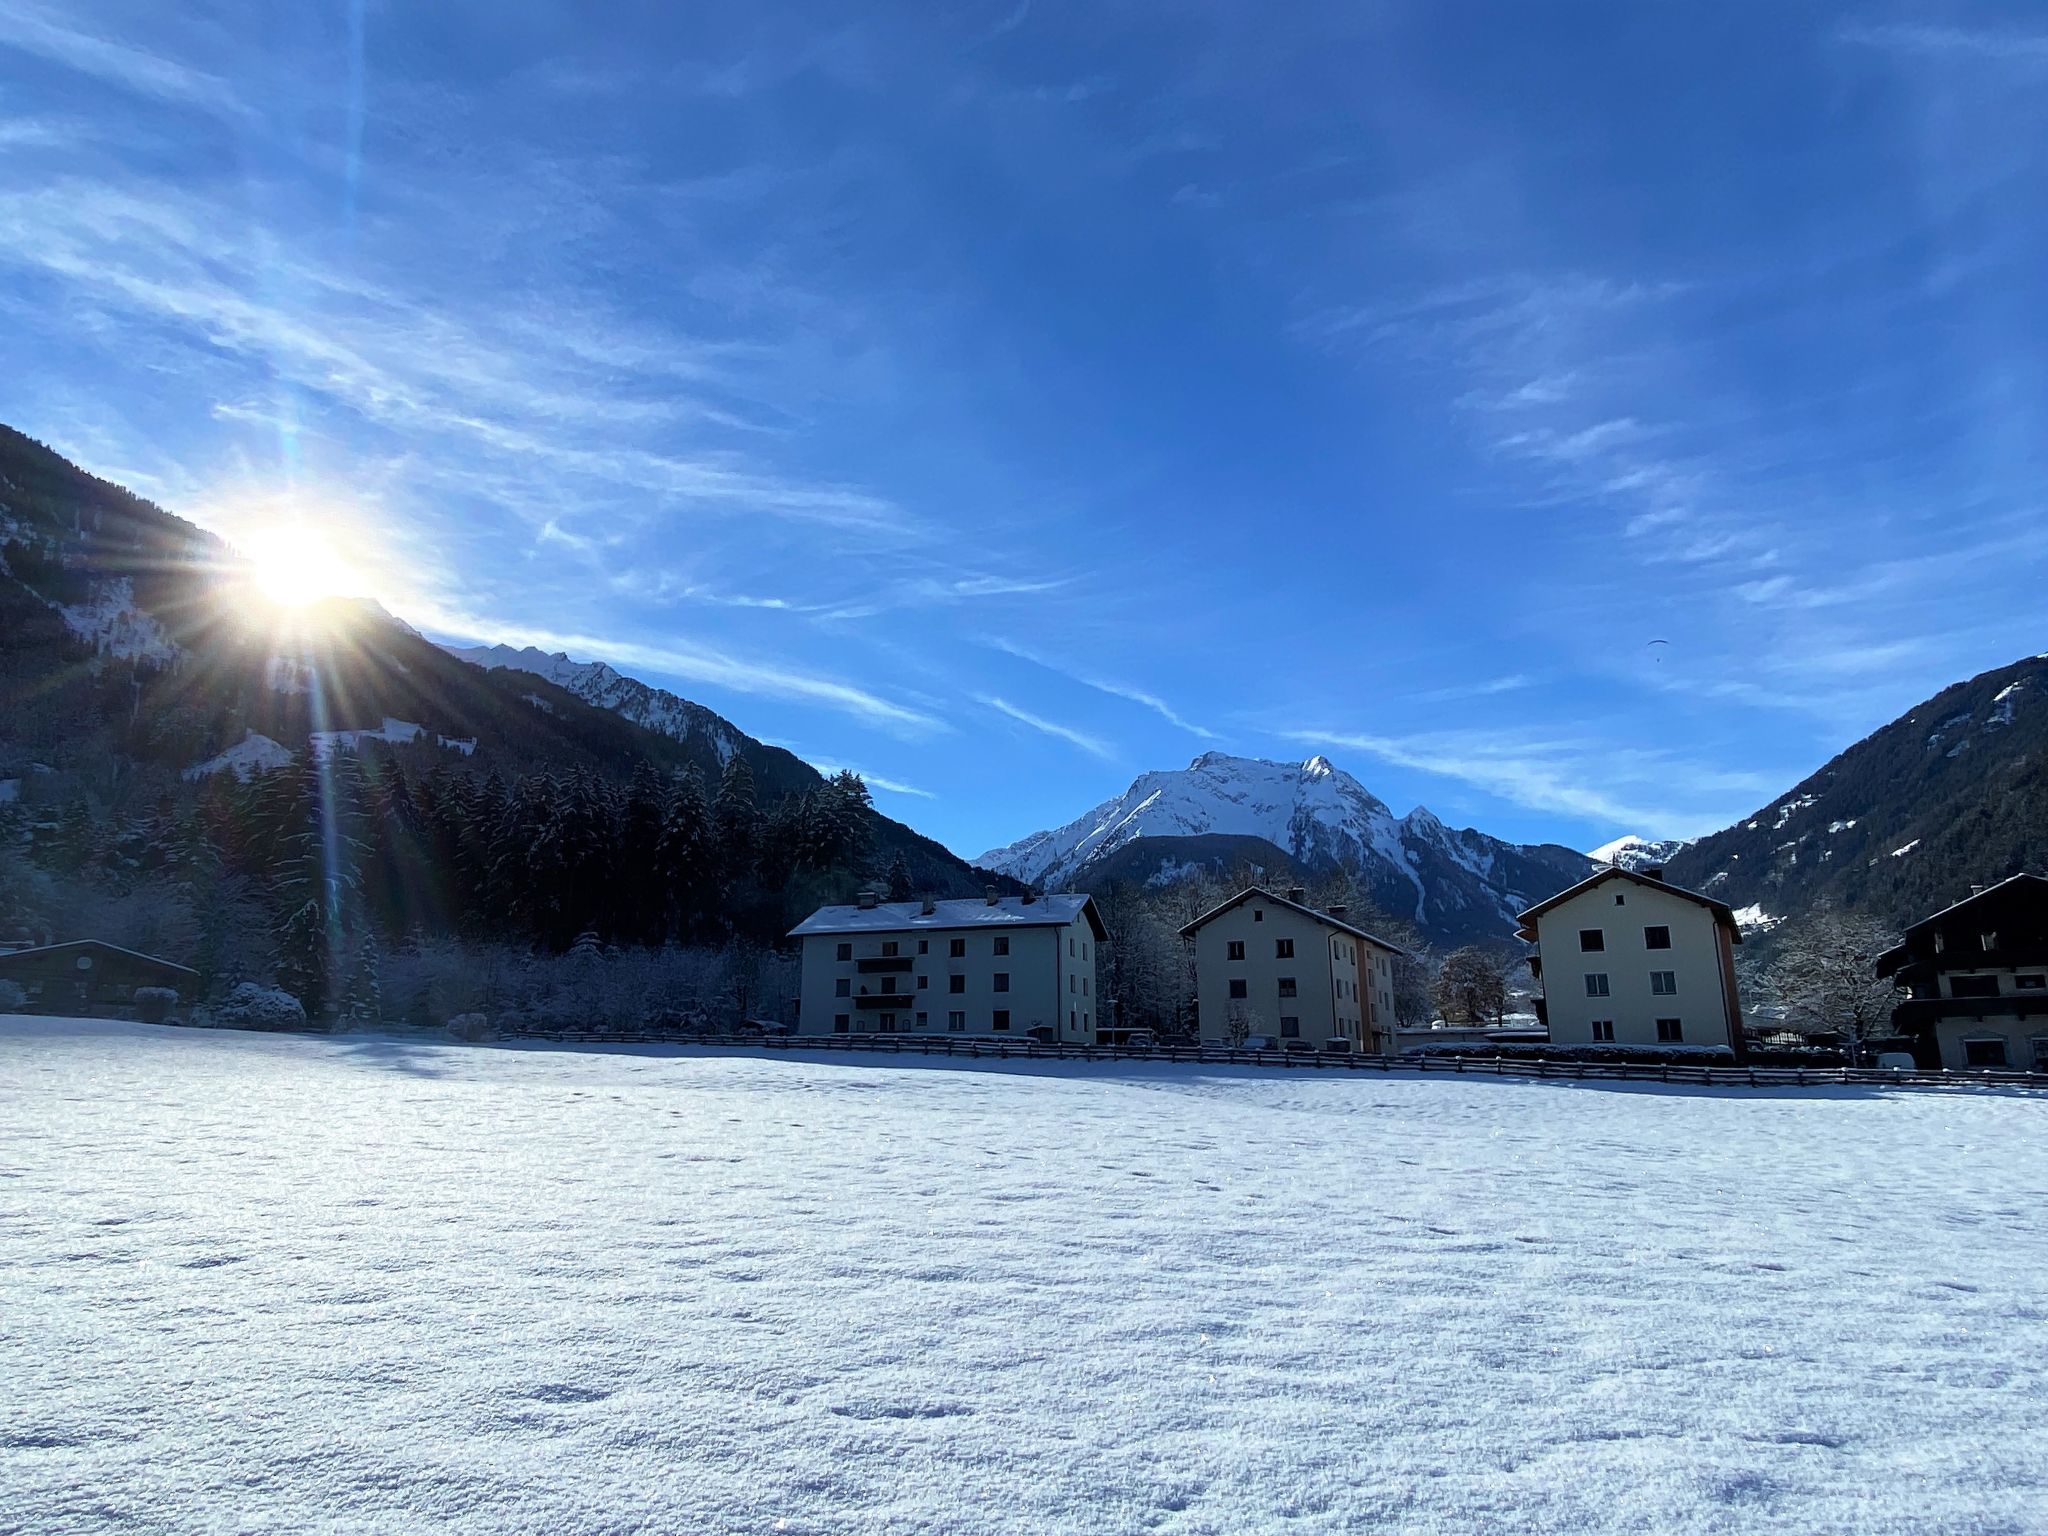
(1094, 746)
(2003, 45)
(34, 30)
(1629, 788)
(1110, 686)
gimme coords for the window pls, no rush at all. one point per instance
(957, 949)
(1620, 900)
(956, 984)
(888, 983)
(1290, 1027)
(2030, 983)
(1658, 937)
(1983, 1053)
(1237, 986)
(1670, 1031)
(1000, 1019)
(843, 987)
(1663, 983)
(1973, 986)
(2040, 1044)
(888, 1021)
(1002, 981)
(1234, 950)
(1592, 939)
(1603, 1029)
(1073, 983)
(1070, 946)
(1940, 941)
(956, 1022)
(1084, 986)
(923, 982)
(1002, 943)
(924, 946)
(1596, 984)
(1283, 949)
(846, 951)
(1258, 916)
(923, 1019)
(888, 949)
(1073, 1019)
(1987, 941)
(841, 1024)
(1287, 986)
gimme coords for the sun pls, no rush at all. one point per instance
(293, 564)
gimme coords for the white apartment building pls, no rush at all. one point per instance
(1002, 965)
(1625, 959)
(1273, 965)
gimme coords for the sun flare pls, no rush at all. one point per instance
(293, 565)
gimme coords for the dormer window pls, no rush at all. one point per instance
(1988, 941)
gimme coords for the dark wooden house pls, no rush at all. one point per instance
(1976, 977)
(87, 976)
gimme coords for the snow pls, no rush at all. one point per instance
(1900, 853)
(1789, 809)
(891, 916)
(1637, 853)
(397, 732)
(466, 745)
(113, 626)
(2002, 705)
(1841, 826)
(264, 1283)
(600, 685)
(1754, 919)
(245, 757)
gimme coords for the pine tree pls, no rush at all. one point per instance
(735, 819)
(899, 878)
(686, 870)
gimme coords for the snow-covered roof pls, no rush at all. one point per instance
(99, 944)
(1297, 906)
(1723, 913)
(1005, 912)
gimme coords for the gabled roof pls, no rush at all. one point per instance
(99, 944)
(2011, 885)
(1293, 906)
(1005, 912)
(1723, 913)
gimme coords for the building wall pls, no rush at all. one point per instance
(1333, 973)
(74, 977)
(1700, 958)
(2025, 1041)
(1051, 972)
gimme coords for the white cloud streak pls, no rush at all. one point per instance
(1094, 746)
(1110, 686)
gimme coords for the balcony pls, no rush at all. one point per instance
(882, 965)
(900, 1001)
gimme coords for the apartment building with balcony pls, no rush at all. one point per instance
(1001, 965)
(1267, 964)
(1976, 978)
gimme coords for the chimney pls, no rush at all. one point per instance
(1336, 909)
(868, 901)
(988, 894)
(1298, 895)
(1979, 890)
(1652, 871)
(928, 906)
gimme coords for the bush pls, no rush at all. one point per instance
(471, 1027)
(12, 998)
(251, 1005)
(154, 1004)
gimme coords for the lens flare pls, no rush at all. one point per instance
(294, 564)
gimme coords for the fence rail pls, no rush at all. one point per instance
(983, 1047)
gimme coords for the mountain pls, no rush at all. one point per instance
(1455, 885)
(1952, 794)
(1636, 853)
(136, 662)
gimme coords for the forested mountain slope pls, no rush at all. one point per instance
(1954, 793)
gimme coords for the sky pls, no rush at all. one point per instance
(1579, 418)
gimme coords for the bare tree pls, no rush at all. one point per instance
(1471, 987)
(1825, 979)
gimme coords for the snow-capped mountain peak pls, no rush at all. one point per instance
(1633, 853)
(597, 683)
(1316, 815)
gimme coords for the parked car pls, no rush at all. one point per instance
(1296, 1045)
(1337, 1043)
(1141, 1038)
(1260, 1043)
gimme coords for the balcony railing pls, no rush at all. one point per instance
(884, 1000)
(882, 964)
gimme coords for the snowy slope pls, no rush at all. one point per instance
(1450, 882)
(1632, 852)
(599, 684)
(264, 1284)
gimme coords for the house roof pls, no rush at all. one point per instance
(1052, 911)
(1723, 913)
(1899, 953)
(1294, 906)
(98, 944)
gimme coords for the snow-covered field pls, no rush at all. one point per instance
(258, 1283)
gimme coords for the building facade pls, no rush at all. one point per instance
(1625, 959)
(1003, 965)
(1976, 978)
(1267, 964)
(89, 976)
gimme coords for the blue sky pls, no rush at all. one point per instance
(1006, 399)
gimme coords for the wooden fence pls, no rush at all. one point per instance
(985, 1047)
